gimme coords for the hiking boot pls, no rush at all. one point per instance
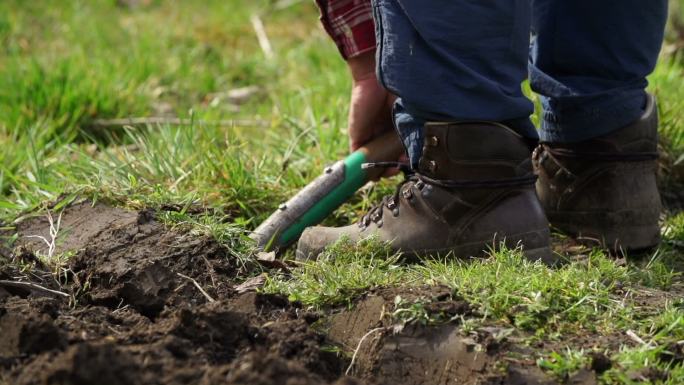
(603, 190)
(472, 192)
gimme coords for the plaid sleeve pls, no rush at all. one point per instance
(350, 24)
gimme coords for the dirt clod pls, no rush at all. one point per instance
(600, 363)
(26, 331)
(84, 364)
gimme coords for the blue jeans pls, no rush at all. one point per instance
(465, 60)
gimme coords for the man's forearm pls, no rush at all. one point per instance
(350, 24)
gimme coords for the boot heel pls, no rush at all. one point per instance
(602, 230)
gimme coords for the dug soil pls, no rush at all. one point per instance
(139, 303)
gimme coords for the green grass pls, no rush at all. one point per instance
(342, 273)
(548, 301)
(64, 65)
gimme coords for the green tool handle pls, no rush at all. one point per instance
(325, 194)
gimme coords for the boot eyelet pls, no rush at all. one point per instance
(407, 194)
(395, 212)
(379, 223)
(426, 192)
(432, 166)
(376, 218)
(432, 141)
(420, 184)
(391, 204)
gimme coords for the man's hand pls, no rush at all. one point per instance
(370, 111)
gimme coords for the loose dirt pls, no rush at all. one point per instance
(134, 314)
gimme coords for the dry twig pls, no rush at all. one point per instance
(634, 337)
(358, 347)
(197, 285)
(32, 286)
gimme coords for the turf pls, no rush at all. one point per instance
(67, 68)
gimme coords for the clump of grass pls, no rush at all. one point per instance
(660, 271)
(216, 225)
(531, 295)
(657, 357)
(646, 364)
(638, 365)
(340, 274)
(562, 365)
(406, 312)
(667, 326)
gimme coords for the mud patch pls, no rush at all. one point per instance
(125, 258)
(432, 350)
(374, 310)
(134, 313)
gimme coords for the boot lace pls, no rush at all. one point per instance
(544, 151)
(556, 153)
(421, 181)
(391, 201)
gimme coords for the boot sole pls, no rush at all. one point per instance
(604, 230)
(541, 251)
(482, 249)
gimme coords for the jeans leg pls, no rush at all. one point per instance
(589, 62)
(454, 60)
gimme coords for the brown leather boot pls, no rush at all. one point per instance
(604, 190)
(473, 191)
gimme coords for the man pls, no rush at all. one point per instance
(456, 67)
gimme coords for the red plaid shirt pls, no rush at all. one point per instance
(350, 24)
